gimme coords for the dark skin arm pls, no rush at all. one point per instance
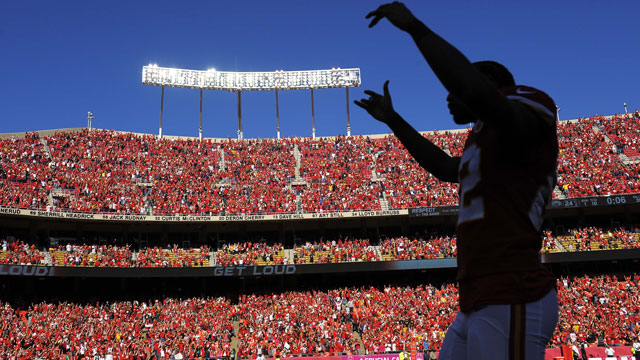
(463, 81)
(427, 154)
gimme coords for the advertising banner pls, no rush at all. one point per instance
(419, 356)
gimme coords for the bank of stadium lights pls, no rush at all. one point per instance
(250, 81)
(212, 79)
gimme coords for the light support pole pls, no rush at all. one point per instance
(277, 116)
(240, 136)
(200, 128)
(161, 107)
(557, 113)
(348, 120)
(313, 120)
(625, 108)
(89, 118)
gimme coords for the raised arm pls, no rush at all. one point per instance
(459, 76)
(427, 154)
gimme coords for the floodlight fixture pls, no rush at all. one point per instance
(249, 81)
(237, 82)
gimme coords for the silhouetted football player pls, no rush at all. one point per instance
(508, 301)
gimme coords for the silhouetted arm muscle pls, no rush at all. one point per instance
(427, 154)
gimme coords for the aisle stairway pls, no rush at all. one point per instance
(298, 180)
(47, 259)
(223, 166)
(288, 254)
(50, 199)
(356, 336)
(375, 177)
(558, 194)
(45, 145)
(278, 258)
(384, 203)
(624, 158)
(234, 340)
(47, 152)
(57, 255)
(297, 156)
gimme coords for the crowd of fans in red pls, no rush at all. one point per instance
(549, 242)
(339, 175)
(624, 131)
(24, 174)
(333, 251)
(404, 248)
(591, 238)
(598, 310)
(389, 319)
(250, 253)
(594, 238)
(589, 164)
(173, 257)
(406, 184)
(323, 251)
(110, 172)
(20, 253)
(294, 323)
(91, 255)
(196, 327)
(258, 174)
(593, 310)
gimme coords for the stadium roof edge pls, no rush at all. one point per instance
(39, 132)
(175, 137)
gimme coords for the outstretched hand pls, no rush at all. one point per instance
(379, 106)
(396, 12)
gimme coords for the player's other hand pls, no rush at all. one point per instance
(396, 12)
(379, 106)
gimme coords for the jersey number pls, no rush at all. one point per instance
(469, 174)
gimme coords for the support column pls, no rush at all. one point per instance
(90, 117)
(161, 107)
(239, 116)
(348, 120)
(313, 120)
(200, 129)
(277, 116)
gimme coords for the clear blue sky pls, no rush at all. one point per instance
(60, 59)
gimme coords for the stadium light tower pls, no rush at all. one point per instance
(252, 81)
(557, 113)
(89, 118)
(625, 108)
